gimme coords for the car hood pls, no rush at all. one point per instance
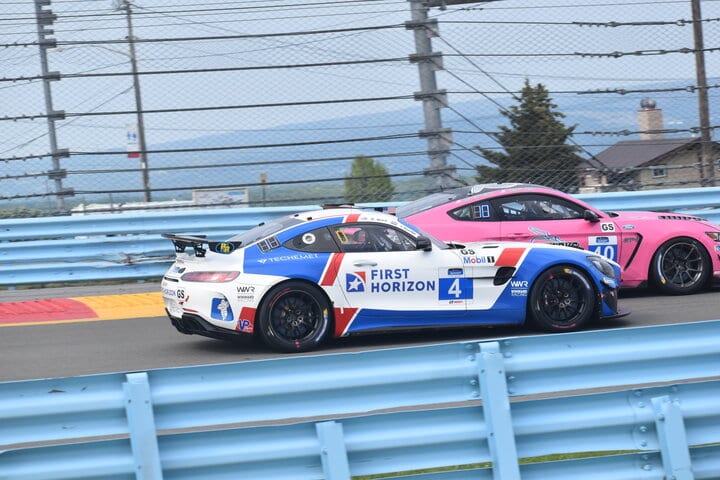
(626, 217)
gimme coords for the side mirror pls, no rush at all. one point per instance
(424, 243)
(591, 216)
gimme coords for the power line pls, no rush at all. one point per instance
(221, 107)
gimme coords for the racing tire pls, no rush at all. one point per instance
(680, 266)
(294, 317)
(562, 299)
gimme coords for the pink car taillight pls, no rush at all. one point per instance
(212, 277)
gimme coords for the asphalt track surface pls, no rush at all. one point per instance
(65, 332)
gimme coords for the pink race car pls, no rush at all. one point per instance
(677, 254)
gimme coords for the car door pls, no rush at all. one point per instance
(539, 218)
(382, 270)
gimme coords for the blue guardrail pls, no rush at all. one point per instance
(652, 413)
(128, 246)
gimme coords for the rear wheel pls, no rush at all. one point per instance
(680, 266)
(294, 317)
(562, 299)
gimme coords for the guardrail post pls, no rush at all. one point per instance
(674, 446)
(332, 451)
(496, 408)
(141, 422)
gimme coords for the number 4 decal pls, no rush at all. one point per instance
(455, 289)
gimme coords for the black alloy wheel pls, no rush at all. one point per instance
(562, 299)
(294, 317)
(680, 266)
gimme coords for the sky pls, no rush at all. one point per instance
(489, 49)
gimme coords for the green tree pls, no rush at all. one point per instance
(368, 181)
(535, 145)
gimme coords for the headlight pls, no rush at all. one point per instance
(715, 236)
(603, 265)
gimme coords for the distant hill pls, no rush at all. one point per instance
(591, 113)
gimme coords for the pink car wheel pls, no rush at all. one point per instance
(680, 266)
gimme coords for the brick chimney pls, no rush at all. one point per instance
(650, 120)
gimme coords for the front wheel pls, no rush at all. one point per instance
(562, 299)
(680, 266)
(294, 317)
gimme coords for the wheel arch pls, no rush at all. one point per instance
(309, 283)
(597, 302)
(651, 275)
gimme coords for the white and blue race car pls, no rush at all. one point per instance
(295, 281)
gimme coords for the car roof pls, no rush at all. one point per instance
(306, 219)
(311, 215)
(483, 188)
(460, 193)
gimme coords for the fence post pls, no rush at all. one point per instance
(332, 451)
(673, 439)
(141, 422)
(496, 408)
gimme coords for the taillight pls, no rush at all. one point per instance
(212, 277)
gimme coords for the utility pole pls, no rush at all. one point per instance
(707, 175)
(439, 138)
(46, 18)
(127, 6)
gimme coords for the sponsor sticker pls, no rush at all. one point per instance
(479, 260)
(224, 248)
(519, 288)
(220, 309)
(245, 293)
(355, 282)
(289, 258)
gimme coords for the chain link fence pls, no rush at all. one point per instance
(156, 104)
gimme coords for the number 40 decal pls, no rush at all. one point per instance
(455, 289)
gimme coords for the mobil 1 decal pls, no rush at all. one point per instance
(607, 246)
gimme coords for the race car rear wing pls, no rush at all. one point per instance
(181, 243)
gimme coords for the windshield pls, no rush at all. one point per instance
(424, 203)
(265, 230)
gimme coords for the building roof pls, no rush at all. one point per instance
(634, 153)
